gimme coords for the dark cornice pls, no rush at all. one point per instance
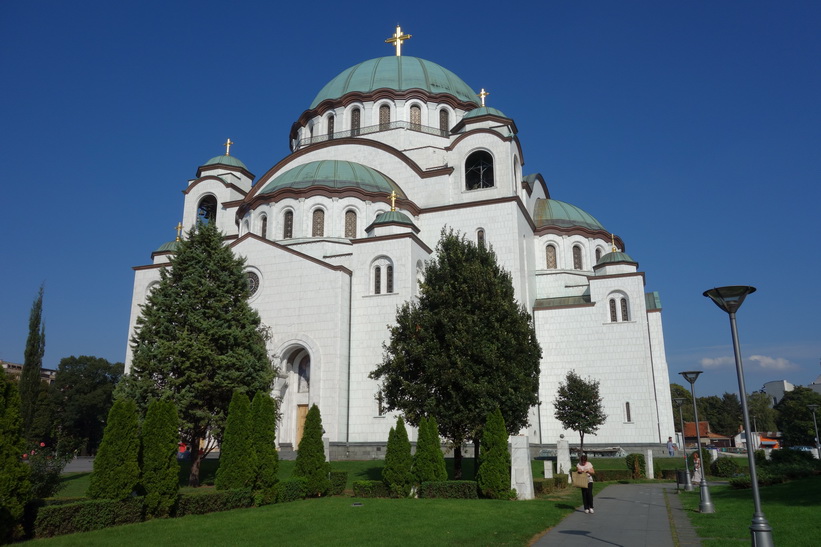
(304, 256)
(216, 178)
(394, 236)
(232, 168)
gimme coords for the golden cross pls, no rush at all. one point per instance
(227, 146)
(613, 242)
(482, 95)
(397, 40)
(178, 227)
(393, 200)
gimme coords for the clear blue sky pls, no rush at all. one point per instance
(690, 129)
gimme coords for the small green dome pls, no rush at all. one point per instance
(615, 256)
(171, 246)
(484, 111)
(399, 73)
(226, 160)
(333, 174)
(393, 217)
(552, 212)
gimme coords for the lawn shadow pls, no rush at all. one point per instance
(68, 478)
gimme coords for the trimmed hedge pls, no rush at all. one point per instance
(725, 467)
(55, 520)
(613, 475)
(546, 486)
(636, 465)
(338, 481)
(370, 489)
(293, 489)
(463, 490)
(214, 501)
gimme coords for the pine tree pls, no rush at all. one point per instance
(14, 484)
(310, 459)
(30, 385)
(493, 475)
(397, 473)
(160, 469)
(263, 429)
(429, 462)
(116, 471)
(198, 340)
(237, 458)
(578, 405)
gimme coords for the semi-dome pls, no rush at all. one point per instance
(226, 160)
(393, 217)
(484, 111)
(399, 73)
(552, 212)
(334, 174)
(614, 257)
(170, 247)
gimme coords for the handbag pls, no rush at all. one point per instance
(580, 480)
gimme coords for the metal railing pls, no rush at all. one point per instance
(373, 129)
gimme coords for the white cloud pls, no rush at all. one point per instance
(772, 363)
(707, 362)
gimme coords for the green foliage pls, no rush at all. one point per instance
(636, 465)
(116, 469)
(617, 474)
(370, 489)
(723, 413)
(429, 462)
(795, 419)
(493, 476)
(198, 340)
(704, 455)
(760, 406)
(579, 406)
(30, 384)
(464, 490)
(760, 457)
(310, 459)
(463, 348)
(263, 438)
(159, 466)
(397, 473)
(725, 467)
(46, 465)
(200, 503)
(85, 516)
(338, 481)
(788, 456)
(292, 489)
(237, 456)
(15, 488)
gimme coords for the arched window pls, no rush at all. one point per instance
(377, 280)
(350, 224)
(480, 237)
(598, 254)
(331, 120)
(613, 317)
(444, 122)
(318, 224)
(479, 171)
(382, 266)
(356, 121)
(207, 210)
(263, 226)
(624, 316)
(550, 254)
(416, 117)
(389, 279)
(304, 374)
(384, 117)
(288, 225)
(577, 257)
(627, 415)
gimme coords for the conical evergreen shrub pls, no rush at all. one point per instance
(263, 438)
(116, 471)
(160, 468)
(397, 473)
(429, 462)
(14, 474)
(310, 459)
(237, 458)
(493, 475)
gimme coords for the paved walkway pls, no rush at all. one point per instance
(627, 515)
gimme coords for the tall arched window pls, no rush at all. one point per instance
(624, 316)
(318, 224)
(479, 171)
(384, 116)
(598, 254)
(416, 117)
(577, 257)
(331, 120)
(444, 121)
(627, 414)
(288, 225)
(304, 374)
(389, 279)
(613, 317)
(207, 210)
(263, 226)
(350, 224)
(377, 280)
(550, 254)
(356, 121)
(480, 237)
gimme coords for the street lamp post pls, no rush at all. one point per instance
(813, 408)
(730, 299)
(706, 504)
(688, 485)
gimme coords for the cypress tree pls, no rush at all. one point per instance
(310, 459)
(14, 484)
(237, 459)
(397, 473)
(263, 430)
(429, 462)
(494, 459)
(116, 471)
(30, 383)
(160, 468)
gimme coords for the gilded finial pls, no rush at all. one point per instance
(613, 242)
(482, 95)
(227, 146)
(178, 227)
(393, 200)
(397, 40)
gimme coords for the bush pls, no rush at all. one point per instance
(464, 490)
(116, 468)
(338, 481)
(213, 501)
(263, 431)
(493, 475)
(614, 475)
(636, 465)
(725, 467)
(15, 487)
(792, 457)
(46, 466)
(741, 483)
(310, 460)
(293, 489)
(237, 459)
(370, 489)
(397, 473)
(54, 520)
(160, 468)
(429, 462)
(760, 457)
(560, 480)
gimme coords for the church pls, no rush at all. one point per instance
(336, 234)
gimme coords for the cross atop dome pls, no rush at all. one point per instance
(227, 146)
(397, 40)
(482, 95)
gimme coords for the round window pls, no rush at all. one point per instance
(253, 283)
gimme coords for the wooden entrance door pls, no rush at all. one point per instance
(301, 413)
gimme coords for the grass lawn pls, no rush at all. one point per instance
(792, 510)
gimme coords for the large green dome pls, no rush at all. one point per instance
(552, 212)
(399, 73)
(333, 174)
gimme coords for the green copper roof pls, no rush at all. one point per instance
(552, 212)
(171, 246)
(399, 73)
(393, 217)
(226, 160)
(333, 174)
(484, 111)
(616, 256)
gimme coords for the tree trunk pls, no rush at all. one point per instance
(196, 459)
(457, 462)
(581, 446)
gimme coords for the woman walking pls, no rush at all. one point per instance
(586, 467)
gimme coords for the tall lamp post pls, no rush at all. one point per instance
(730, 299)
(813, 408)
(706, 504)
(688, 485)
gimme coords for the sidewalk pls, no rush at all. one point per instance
(627, 515)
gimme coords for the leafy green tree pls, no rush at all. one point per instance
(30, 385)
(237, 458)
(160, 469)
(722, 413)
(579, 406)
(14, 474)
(116, 471)
(81, 396)
(263, 440)
(463, 348)
(197, 340)
(679, 391)
(310, 459)
(795, 418)
(493, 475)
(762, 414)
(397, 473)
(429, 462)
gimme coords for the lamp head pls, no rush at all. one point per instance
(679, 401)
(691, 375)
(813, 407)
(729, 299)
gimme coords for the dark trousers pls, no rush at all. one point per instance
(587, 496)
